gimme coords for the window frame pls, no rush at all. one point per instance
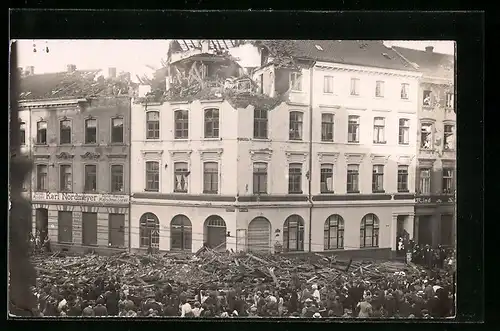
(328, 82)
(183, 121)
(184, 173)
(46, 183)
(112, 133)
(61, 174)
(293, 79)
(448, 178)
(430, 134)
(259, 123)
(61, 135)
(155, 132)
(403, 172)
(22, 133)
(151, 231)
(354, 87)
(422, 178)
(377, 128)
(211, 176)
(296, 126)
(257, 173)
(379, 88)
(375, 237)
(448, 134)
(327, 126)
(378, 175)
(39, 133)
(329, 166)
(182, 229)
(429, 96)
(86, 133)
(112, 176)
(339, 225)
(157, 175)
(405, 91)
(291, 174)
(59, 227)
(85, 187)
(402, 129)
(352, 180)
(299, 235)
(353, 125)
(211, 120)
(450, 102)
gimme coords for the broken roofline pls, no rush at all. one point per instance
(62, 101)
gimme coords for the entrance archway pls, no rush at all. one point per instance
(259, 235)
(42, 222)
(215, 232)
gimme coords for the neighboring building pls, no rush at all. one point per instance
(436, 168)
(80, 148)
(250, 163)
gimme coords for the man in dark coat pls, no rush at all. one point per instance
(100, 309)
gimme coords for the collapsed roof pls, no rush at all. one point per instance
(430, 62)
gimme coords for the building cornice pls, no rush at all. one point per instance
(366, 70)
(50, 103)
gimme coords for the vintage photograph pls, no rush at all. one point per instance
(240, 178)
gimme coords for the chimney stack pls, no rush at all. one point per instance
(205, 46)
(30, 70)
(429, 49)
(71, 68)
(112, 72)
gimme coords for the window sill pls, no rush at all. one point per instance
(328, 192)
(65, 144)
(378, 97)
(369, 247)
(327, 142)
(404, 144)
(354, 95)
(449, 150)
(353, 192)
(378, 192)
(119, 193)
(427, 107)
(333, 249)
(90, 245)
(257, 194)
(353, 142)
(180, 192)
(298, 92)
(212, 138)
(296, 192)
(117, 143)
(181, 139)
(405, 99)
(330, 94)
(380, 142)
(265, 140)
(404, 191)
(210, 193)
(152, 139)
(41, 144)
(431, 150)
(90, 144)
(151, 191)
(295, 141)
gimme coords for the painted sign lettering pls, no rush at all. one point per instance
(81, 197)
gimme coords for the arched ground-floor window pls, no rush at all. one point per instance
(334, 232)
(180, 233)
(369, 231)
(215, 232)
(293, 234)
(259, 235)
(149, 231)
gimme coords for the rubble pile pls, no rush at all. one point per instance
(207, 268)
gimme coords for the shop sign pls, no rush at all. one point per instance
(435, 199)
(81, 197)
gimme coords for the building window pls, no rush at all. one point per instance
(41, 177)
(212, 123)
(149, 231)
(425, 181)
(334, 232)
(427, 98)
(66, 178)
(41, 133)
(260, 123)
(328, 84)
(450, 100)
(402, 178)
(327, 127)
(449, 137)
(259, 178)
(180, 233)
(404, 131)
(65, 132)
(181, 124)
(296, 81)
(22, 133)
(327, 178)
(369, 231)
(117, 130)
(379, 130)
(354, 86)
(295, 178)
(181, 172)
(448, 180)
(90, 178)
(89, 229)
(65, 227)
(378, 179)
(379, 89)
(405, 89)
(117, 178)
(91, 131)
(261, 83)
(210, 177)
(426, 136)
(295, 125)
(153, 125)
(293, 234)
(352, 178)
(353, 129)
(152, 176)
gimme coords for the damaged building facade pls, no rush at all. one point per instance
(78, 129)
(435, 222)
(268, 145)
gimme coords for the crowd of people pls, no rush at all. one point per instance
(429, 294)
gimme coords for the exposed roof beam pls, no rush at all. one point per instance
(185, 43)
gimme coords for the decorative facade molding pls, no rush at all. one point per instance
(117, 156)
(329, 106)
(91, 156)
(405, 159)
(355, 109)
(449, 163)
(354, 158)
(379, 159)
(41, 156)
(366, 70)
(180, 155)
(325, 157)
(426, 163)
(213, 154)
(65, 156)
(296, 157)
(50, 103)
(262, 155)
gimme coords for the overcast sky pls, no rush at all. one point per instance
(127, 55)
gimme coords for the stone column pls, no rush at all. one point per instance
(410, 228)
(33, 221)
(77, 227)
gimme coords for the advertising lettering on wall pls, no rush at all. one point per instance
(435, 199)
(81, 197)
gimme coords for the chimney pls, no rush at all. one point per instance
(71, 68)
(205, 46)
(112, 72)
(30, 70)
(429, 49)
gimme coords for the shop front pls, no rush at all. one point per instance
(435, 222)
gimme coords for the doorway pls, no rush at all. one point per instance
(42, 222)
(425, 230)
